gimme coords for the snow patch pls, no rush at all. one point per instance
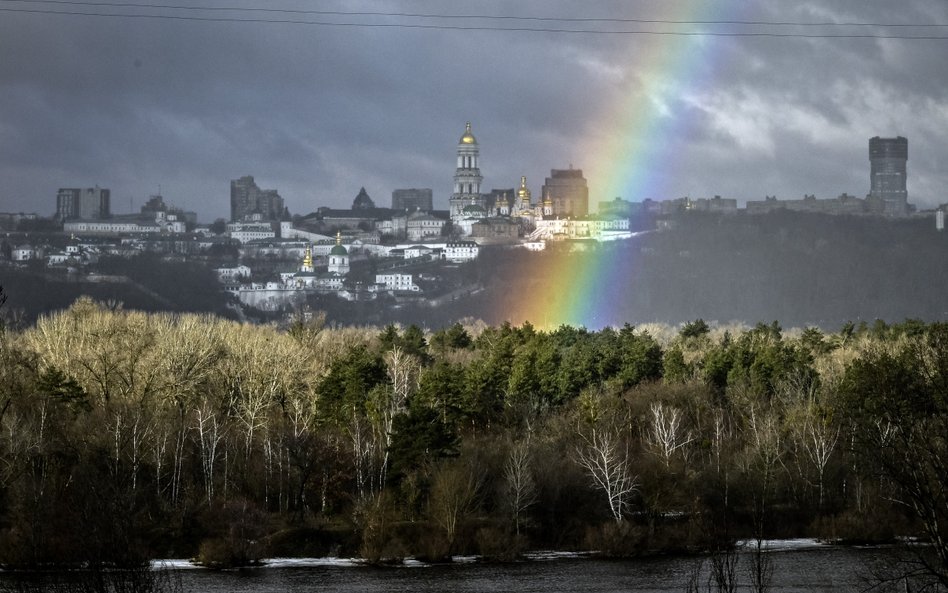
(784, 545)
(555, 555)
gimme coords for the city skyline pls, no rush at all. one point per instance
(317, 112)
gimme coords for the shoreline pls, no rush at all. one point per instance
(770, 546)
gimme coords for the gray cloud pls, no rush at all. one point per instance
(318, 112)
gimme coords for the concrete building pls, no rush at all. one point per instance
(887, 174)
(24, 253)
(843, 204)
(10, 220)
(250, 231)
(686, 204)
(247, 199)
(616, 207)
(461, 251)
(412, 199)
(397, 282)
(229, 275)
(601, 228)
(363, 215)
(421, 226)
(92, 203)
(568, 191)
(501, 229)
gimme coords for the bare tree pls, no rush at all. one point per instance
(403, 374)
(454, 490)
(210, 431)
(519, 485)
(606, 458)
(766, 447)
(666, 435)
(819, 440)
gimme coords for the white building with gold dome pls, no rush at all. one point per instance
(293, 286)
(339, 257)
(467, 179)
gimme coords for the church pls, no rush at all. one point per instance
(498, 214)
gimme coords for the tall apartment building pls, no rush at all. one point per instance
(412, 199)
(246, 199)
(887, 174)
(568, 192)
(93, 203)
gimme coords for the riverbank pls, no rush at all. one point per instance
(770, 546)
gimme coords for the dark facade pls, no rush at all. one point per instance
(887, 175)
(362, 201)
(567, 190)
(412, 199)
(83, 204)
(247, 199)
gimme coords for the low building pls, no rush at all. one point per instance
(416, 251)
(843, 204)
(460, 251)
(250, 231)
(422, 225)
(396, 226)
(24, 252)
(582, 228)
(498, 229)
(11, 220)
(397, 282)
(229, 275)
(131, 224)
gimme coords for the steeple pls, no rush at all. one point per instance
(503, 206)
(307, 260)
(467, 176)
(468, 137)
(523, 194)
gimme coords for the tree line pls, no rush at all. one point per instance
(126, 436)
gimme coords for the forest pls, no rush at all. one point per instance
(126, 436)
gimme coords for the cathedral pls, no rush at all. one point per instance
(470, 208)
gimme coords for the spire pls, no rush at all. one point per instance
(524, 193)
(468, 137)
(338, 237)
(307, 260)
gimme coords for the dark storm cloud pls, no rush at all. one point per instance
(318, 112)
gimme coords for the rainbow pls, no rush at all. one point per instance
(632, 154)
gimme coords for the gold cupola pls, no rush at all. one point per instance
(468, 137)
(307, 260)
(523, 194)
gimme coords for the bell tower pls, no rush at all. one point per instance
(467, 176)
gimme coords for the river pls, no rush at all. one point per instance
(796, 568)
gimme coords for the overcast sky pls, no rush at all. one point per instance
(319, 111)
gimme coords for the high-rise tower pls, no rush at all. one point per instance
(247, 199)
(568, 191)
(84, 204)
(887, 181)
(467, 176)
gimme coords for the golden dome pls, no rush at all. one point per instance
(523, 193)
(468, 137)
